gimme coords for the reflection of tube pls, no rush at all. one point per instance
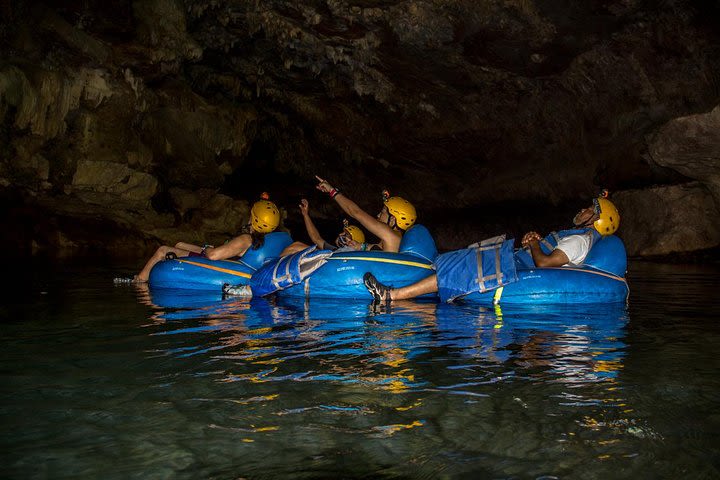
(498, 315)
(349, 343)
(578, 345)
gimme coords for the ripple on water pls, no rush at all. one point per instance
(97, 383)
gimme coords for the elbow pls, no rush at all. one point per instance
(354, 211)
(539, 262)
(547, 262)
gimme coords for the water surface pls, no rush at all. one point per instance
(104, 381)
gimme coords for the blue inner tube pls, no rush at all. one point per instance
(342, 275)
(557, 285)
(199, 273)
(601, 279)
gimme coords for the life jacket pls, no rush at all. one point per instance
(481, 267)
(281, 273)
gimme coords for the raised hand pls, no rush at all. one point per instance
(323, 186)
(304, 207)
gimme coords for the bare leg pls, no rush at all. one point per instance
(426, 285)
(382, 292)
(293, 248)
(189, 247)
(158, 256)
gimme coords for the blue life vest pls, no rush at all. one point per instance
(483, 266)
(273, 244)
(287, 271)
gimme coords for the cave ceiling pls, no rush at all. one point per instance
(456, 104)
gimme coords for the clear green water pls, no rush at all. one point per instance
(104, 381)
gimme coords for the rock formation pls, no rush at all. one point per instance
(125, 124)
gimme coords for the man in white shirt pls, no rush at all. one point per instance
(601, 218)
(570, 250)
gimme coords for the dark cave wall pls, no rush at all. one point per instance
(165, 118)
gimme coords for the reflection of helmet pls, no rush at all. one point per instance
(355, 233)
(403, 211)
(264, 215)
(609, 217)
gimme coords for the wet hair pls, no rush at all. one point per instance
(258, 238)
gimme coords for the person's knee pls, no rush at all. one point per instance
(213, 255)
(293, 248)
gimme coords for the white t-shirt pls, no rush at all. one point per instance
(576, 247)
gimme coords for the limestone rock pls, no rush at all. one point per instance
(43, 99)
(187, 135)
(162, 27)
(669, 219)
(184, 200)
(691, 146)
(216, 220)
(163, 117)
(115, 179)
(224, 216)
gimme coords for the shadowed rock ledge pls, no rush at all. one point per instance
(125, 124)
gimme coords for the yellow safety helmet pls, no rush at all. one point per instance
(264, 215)
(608, 216)
(355, 233)
(403, 211)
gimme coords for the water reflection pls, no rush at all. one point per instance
(215, 387)
(341, 341)
(480, 379)
(188, 386)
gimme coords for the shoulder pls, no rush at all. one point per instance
(242, 238)
(394, 237)
(580, 240)
(576, 247)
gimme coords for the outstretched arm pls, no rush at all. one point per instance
(557, 257)
(310, 226)
(390, 239)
